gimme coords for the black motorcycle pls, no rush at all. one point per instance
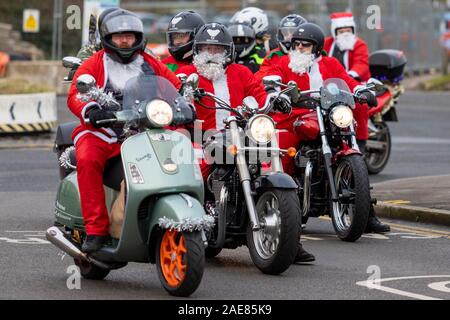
(252, 201)
(329, 168)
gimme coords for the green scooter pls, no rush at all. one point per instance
(164, 221)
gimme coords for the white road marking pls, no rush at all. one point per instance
(302, 237)
(419, 140)
(25, 241)
(375, 284)
(410, 235)
(440, 286)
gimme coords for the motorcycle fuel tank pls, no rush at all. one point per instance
(307, 127)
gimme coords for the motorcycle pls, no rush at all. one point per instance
(387, 66)
(329, 168)
(164, 221)
(252, 201)
(64, 131)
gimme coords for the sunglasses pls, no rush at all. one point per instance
(304, 44)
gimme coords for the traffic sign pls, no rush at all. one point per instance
(30, 20)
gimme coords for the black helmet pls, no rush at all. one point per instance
(103, 15)
(122, 21)
(184, 22)
(244, 38)
(286, 28)
(310, 32)
(215, 33)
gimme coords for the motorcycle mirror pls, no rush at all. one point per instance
(85, 82)
(271, 81)
(376, 84)
(294, 91)
(250, 103)
(71, 62)
(182, 77)
(193, 80)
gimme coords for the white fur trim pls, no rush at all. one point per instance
(221, 91)
(343, 22)
(330, 54)
(105, 69)
(95, 133)
(87, 107)
(354, 74)
(315, 77)
(110, 132)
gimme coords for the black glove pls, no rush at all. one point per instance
(365, 96)
(184, 112)
(283, 104)
(97, 114)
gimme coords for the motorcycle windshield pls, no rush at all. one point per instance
(336, 91)
(148, 88)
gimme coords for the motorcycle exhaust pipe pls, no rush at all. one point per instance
(307, 188)
(55, 236)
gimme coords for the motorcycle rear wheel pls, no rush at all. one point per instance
(351, 213)
(377, 159)
(180, 261)
(274, 246)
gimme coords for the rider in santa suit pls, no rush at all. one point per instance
(180, 39)
(286, 29)
(353, 53)
(122, 58)
(306, 65)
(231, 82)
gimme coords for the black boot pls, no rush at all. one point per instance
(94, 243)
(374, 225)
(303, 255)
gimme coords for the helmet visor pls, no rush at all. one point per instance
(213, 48)
(287, 32)
(120, 24)
(178, 38)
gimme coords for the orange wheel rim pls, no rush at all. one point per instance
(172, 253)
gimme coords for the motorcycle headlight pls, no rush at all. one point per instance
(341, 116)
(159, 113)
(261, 128)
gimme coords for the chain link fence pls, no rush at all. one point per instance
(413, 26)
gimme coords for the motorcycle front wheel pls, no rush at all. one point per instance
(180, 261)
(378, 148)
(351, 213)
(274, 246)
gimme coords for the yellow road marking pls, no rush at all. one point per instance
(398, 201)
(401, 227)
(417, 229)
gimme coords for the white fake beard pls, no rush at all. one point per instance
(119, 73)
(209, 65)
(346, 41)
(300, 62)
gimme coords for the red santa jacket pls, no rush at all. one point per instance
(238, 83)
(356, 60)
(96, 66)
(271, 58)
(323, 68)
(173, 64)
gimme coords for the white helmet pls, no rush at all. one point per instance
(256, 17)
